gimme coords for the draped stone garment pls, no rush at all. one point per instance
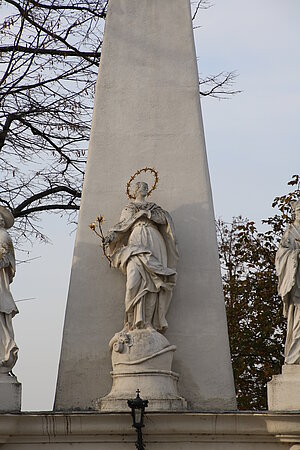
(144, 248)
(8, 308)
(288, 270)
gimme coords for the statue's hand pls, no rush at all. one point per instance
(140, 213)
(108, 239)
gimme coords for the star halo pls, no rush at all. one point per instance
(138, 172)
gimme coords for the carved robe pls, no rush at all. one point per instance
(144, 248)
(288, 270)
(8, 347)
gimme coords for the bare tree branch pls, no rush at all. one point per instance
(218, 86)
(54, 36)
(80, 8)
(201, 4)
(45, 51)
(76, 194)
(55, 207)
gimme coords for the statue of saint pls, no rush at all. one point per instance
(8, 347)
(143, 246)
(288, 269)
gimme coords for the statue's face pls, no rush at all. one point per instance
(141, 188)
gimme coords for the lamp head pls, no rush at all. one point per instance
(137, 406)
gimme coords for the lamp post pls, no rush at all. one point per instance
(138, 406)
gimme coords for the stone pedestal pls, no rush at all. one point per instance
(142, 359)
(10, 393)
(284, 389)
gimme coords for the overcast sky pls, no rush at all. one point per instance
(253, 149)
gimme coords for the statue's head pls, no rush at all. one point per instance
(6, 218)
(140, 188)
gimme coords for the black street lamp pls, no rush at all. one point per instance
(138, 406)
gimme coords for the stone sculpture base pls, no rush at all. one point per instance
(142, 359)
(156, 386)
(284, 389)
(10, 393)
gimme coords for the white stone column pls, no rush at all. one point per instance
(147, 113)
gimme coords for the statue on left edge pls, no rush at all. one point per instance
(8, 308)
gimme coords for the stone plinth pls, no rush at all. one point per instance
(10, 393)
(142, 359)
(284, 389)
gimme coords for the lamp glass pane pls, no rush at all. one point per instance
(138, 416)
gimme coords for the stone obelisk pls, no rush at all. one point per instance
(147, 113)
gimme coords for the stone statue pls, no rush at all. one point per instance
(288, 269)
(143, 246)
(8, 347)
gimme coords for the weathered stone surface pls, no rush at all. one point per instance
(142, 358)
(147, 113)
(165, 431)
(284, 389)
(10, 394)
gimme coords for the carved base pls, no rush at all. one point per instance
(284, 389)
(142, 359)
(157, 386)
(10, 393)
(110, 404)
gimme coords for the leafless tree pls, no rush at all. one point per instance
(50, 53)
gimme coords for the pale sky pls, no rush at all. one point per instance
(253, 150)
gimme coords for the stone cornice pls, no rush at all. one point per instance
(84, 427)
